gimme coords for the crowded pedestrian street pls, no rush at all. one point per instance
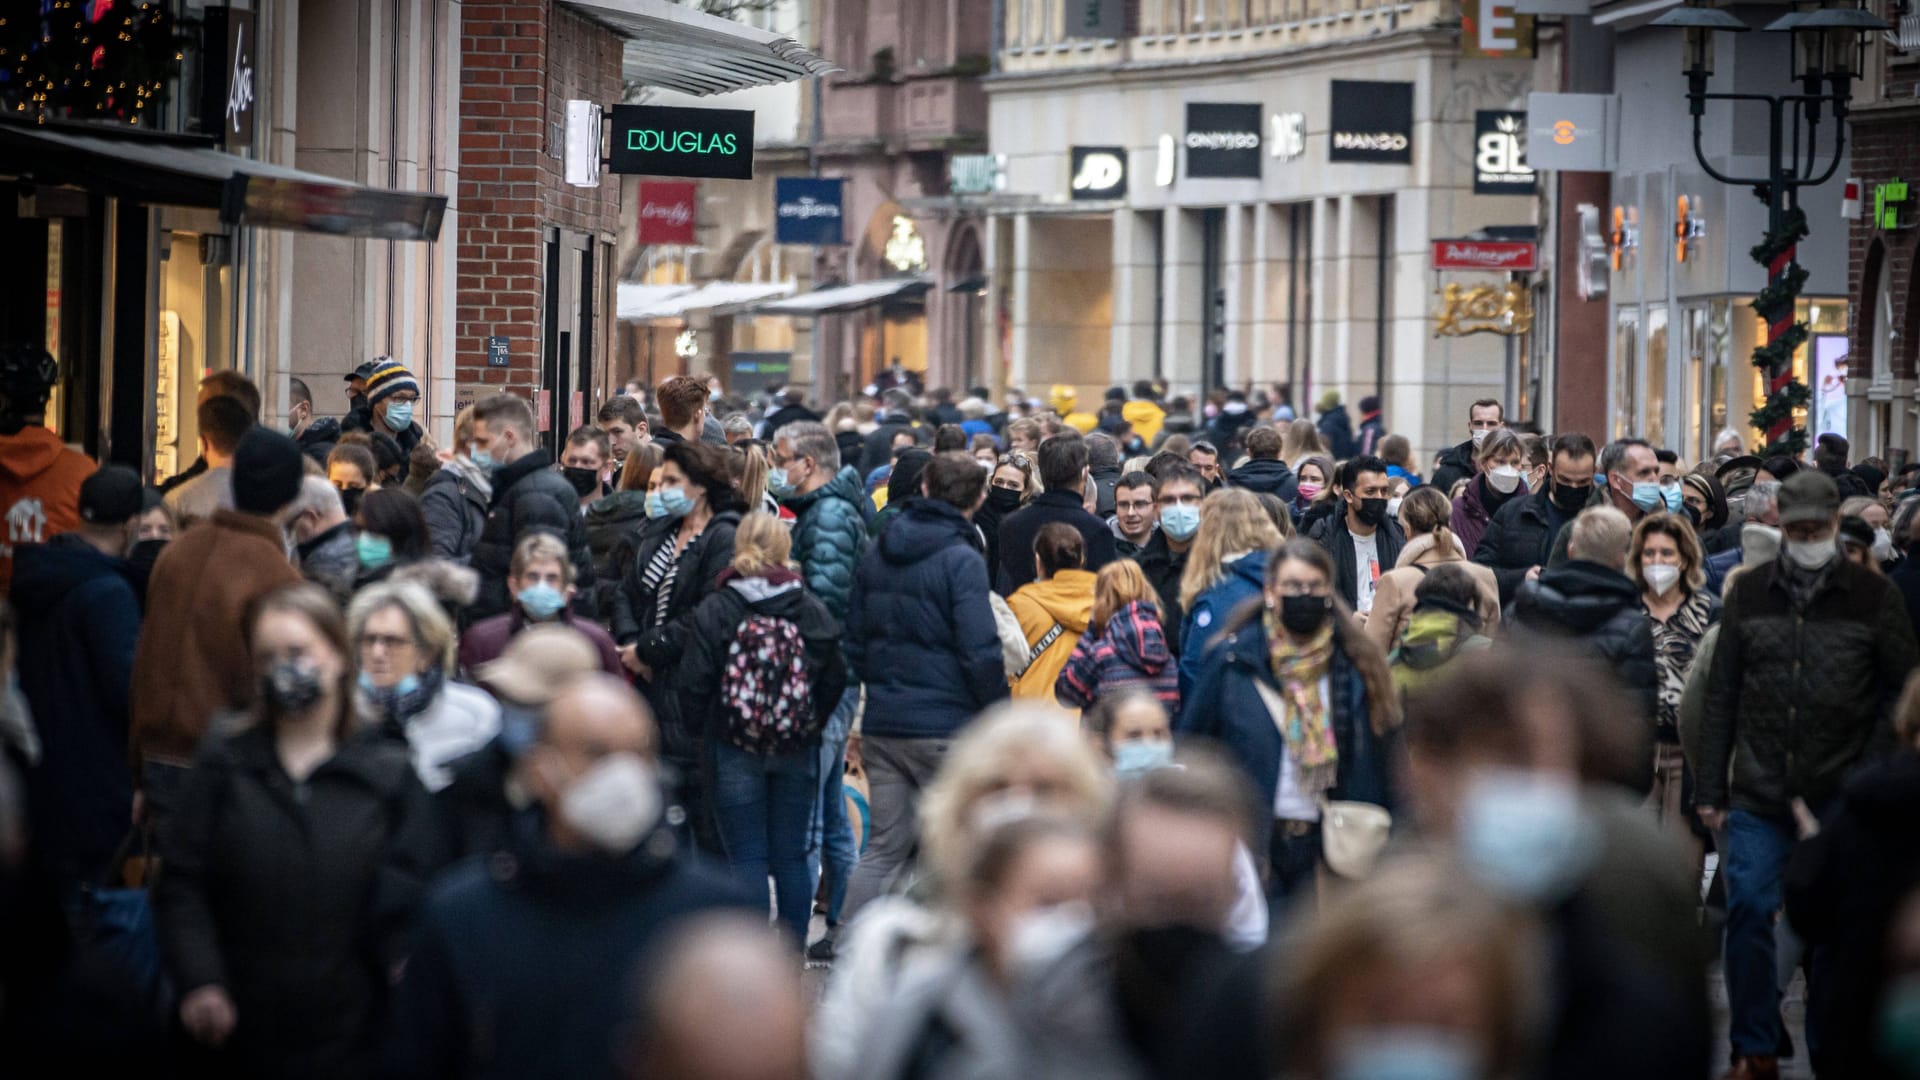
(934, 540)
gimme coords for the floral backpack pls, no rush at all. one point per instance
(766, 696)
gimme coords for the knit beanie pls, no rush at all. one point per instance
(267, 470)
(387, 379)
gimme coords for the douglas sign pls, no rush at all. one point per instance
(660, 141)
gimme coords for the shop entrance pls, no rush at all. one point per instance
(566, 371)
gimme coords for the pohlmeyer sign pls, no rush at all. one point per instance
(657, 140)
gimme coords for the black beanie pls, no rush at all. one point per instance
(267, 470)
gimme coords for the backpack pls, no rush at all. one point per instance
(766, 695)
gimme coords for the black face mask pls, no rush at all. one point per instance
(356, 401)
(1004, 500)
(1571, 498)
(290, 687)
(585, 481)
(1692, 515)
(1304, 615)
(1371, 512)
(350, 500)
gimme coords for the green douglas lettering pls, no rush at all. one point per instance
(651, 140)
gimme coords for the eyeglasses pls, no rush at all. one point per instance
(388, 642)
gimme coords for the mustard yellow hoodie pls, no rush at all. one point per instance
(1064, 600)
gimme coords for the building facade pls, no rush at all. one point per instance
(1883, 409)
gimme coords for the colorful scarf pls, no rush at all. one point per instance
(1305, 724)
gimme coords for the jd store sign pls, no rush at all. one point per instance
(1099, 172)
(657, 140)
(1500, 153)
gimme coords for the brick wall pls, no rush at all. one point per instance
(1884, 149)
(520, 64)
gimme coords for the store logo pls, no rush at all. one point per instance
(1371, 122)
(1223, 141)
(662, 141)
(673, 215)
(1499, 155)
(1590, 267)
(1164, 162)
(1382, 141)
(240, 83)
(1099, 172)
(1687, 227)
(1624, 240)
(666, 211)
(1514, 256)
(1289, 135)
(681, 142)
(1563, 132)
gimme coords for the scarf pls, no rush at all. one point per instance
(1305, 725)
(398, 704)
(481, 479)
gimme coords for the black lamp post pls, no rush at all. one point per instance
(1827, 46)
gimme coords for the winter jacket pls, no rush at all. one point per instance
(780, 594)
(485, 640)
(192, 660)
(527, 495)
(1308, 518)
(1227, 428)
(612, 525)
(1370, 434)
(1163, 567)
(1393, 600)
(331, 560)
(1063, 601)
(1022, 527)
(1336, 430)
(1241, 580)
(1431, 640)
(1600, 608)
(829, 533)
(1475, 508)
(1129, 653)
(459, 720)
(455, 506)
(79, 619)
(1225, 706)
(1798, 695)
(319, 439)
(659, 640)
(919, 631)
(1332, 533)
(784, 415)
(1145, 416)
(525, 958)
(1267, 476)
(1906, 578)
(361, 419)
(293, 897)
(39, 490)
(1519, 537)
(1454, 464)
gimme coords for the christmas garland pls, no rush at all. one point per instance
(86, 60)
(1774, 304)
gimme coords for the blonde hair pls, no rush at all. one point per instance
(1427, 512)
(642, 460)
(1692, 562)
(751, 467)
(1301, 439)
(1118, 584)
(463, 429)
(760, 543)
(1008, 738)
(840, 414)
(432, 630)
(1232, 522)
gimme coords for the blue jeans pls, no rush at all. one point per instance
(830, 831)
(764, 804)
(1756, 858)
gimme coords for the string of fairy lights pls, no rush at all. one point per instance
(89, 59)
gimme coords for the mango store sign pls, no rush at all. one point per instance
(658, 140)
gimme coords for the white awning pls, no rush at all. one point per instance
(696, 53)
(852, 297)
(637, 303)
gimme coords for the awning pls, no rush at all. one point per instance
(696, 53)
(838, 298)
(181, 171)
(636, 303)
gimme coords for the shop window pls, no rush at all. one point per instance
(1655, 431)
(1825, 318)
(1626, 346)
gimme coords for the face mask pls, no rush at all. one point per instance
(614, 803)
(713, 395)
(1811, 554)
(1393, 507)
(1898, 1028)
(399, 415)
(1503, 479)
(541, 602)
(1479, 436)
(1303, 615)
(519, 729)
(350, 500)
(373, 550)
(407, 685)
(1692, 515)
(482, 459)
(779, 484)
(1004, 500)
(356, 401)
(1570, 498)
(1524, 835)
(1308, 490)
(1139, 758)
(585, 481)
(1180, 522)
(1882, 545)
(1404, 1053)
(290, 686)
(1371, 512)
(1660, 577)
(1038, 938)
(674, 503)
(655, 508)
(1673, 497)
(1646, 496)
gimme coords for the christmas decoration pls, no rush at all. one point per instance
(1776, 305)
(88, 60)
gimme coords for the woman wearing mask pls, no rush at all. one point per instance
(766, 747)
(1225, 568)
(405, 645)
(456, 496)
(391, 533)
(351, 469)
(613, 523)
(1430, 543)
(1124, 648)
(1704, 502)
(1664, 558)
(1014, 482)
(1869, 510)
(1053, 609)
(1303, 702)
(1502, 460)
(1314, 498)
(293, 862)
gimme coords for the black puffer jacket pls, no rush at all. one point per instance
(527, 495)
(613, 524)
(1518, 538)
(1332, 533)
(1455, 464)
(1163, 567)
(1266, 476)
(634, 621)
(1798, 695)
(319, 439)
(293, 897)
(456, 514)
(1599, 607)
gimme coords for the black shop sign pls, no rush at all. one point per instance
(1223, 141)
(658, 140)
(1371, 122)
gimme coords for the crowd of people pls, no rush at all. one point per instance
(1177, 737)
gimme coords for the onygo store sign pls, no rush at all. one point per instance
(1223, 141)
(658, 140)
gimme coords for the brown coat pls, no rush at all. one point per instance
(192, 660)
(1393, 593)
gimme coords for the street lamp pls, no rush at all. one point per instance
(1827, 45)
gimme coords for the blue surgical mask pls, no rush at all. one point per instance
(1138, 758)
(655, 508)
(399, 415)
(1646, 496)
(1404, 1053)
(675, 502)
(541, 602)
(373, 550)
(1180, 521)
(779, 484)
(407, 685)
(1526, 835)
(481, 458)
(519, 728)
(1672, 495)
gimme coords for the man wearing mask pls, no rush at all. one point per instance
(1634, 487)
(323, 538)
(1813, 653)
(39, 477)
(541, 581)
(1064, 477)
(1762, 512)
(588, 881)
(1520, 537)
(584, 463)
(316, 435)
(1164, 558)
(393, 395)
(1459, 462)
(357, 392)
(1365, 541)
(527, 495)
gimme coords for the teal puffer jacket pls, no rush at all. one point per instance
(829, 536)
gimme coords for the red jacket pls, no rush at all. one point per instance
(39, 490)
